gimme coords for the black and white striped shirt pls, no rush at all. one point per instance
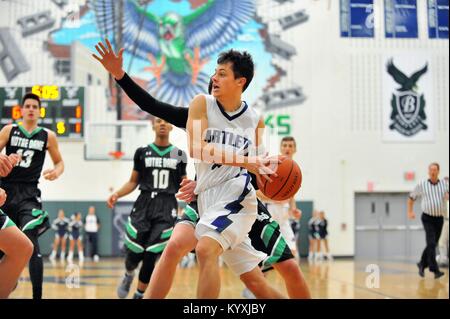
(434, 197)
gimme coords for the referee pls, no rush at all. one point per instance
(434, 194)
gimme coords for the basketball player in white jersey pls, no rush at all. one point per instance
(224, 133)
(183, 239)
(283, 211)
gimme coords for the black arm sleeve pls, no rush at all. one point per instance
(176, 115)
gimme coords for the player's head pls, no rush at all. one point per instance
(30, 107)
(91, 210)
(433, 170)
(322, 214)
(61, 213)
(288, 146)
(77, 216)
(161, 127)
(234, 72)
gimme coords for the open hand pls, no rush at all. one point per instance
(264, 167)
(110, 61)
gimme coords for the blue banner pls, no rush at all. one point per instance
(357, 18)
(400, 19)
(438, 19)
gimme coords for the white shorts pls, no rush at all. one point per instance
(241, 259)
(229, 209)
(227, 213)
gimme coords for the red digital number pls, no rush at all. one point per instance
(16, 113)
(78, 112)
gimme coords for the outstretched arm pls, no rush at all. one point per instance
(126, 189)
(175, 115)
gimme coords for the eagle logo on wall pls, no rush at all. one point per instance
(408, 105)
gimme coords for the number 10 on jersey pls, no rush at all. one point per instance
(160, 178)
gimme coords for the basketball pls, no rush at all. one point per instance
(286, 184)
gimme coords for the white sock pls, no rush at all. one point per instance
(80, 255)
(63, 254)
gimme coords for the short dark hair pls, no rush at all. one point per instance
(435, 164)
(288, 139)
(242, 64)
(32, 96)
(210, 85)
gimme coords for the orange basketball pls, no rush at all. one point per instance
(286, 184)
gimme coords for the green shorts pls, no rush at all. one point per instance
(5, 221)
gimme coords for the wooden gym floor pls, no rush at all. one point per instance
(339, 279)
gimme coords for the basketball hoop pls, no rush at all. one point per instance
(116, 155)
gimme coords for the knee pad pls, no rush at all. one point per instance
(148, 265)
(132, 260)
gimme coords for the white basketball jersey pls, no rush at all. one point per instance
(232, 131)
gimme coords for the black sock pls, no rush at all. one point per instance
(36, 275)
(36, 267)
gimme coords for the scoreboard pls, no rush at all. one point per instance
(62, 108)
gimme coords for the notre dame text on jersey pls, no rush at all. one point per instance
(32, 148)
(160, 168)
